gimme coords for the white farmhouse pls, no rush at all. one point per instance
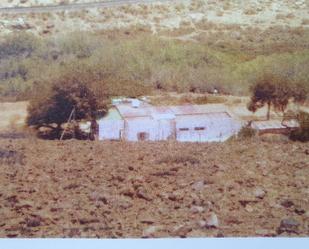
(137, 121)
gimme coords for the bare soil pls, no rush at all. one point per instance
(167, 189)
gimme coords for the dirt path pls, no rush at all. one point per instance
(74, 6)
(12, 115)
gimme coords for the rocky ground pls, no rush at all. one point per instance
(117, 189)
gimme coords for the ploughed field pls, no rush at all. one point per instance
(117, 189)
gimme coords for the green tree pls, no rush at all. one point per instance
(54, 108)
(277, 91)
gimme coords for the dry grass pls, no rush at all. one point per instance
(250, 12)
(305, 21)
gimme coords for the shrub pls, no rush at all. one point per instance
(302, 133)
(246, 132)
(178, 159)
(19, 44)
(68, 96)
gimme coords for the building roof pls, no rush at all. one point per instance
(168, 112)
(274, 124)
(112, 114)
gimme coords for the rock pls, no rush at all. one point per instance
(147, 220)
(174, 197)
(74, 232)
(211, 221)
(196, 200)
(50, 25)
(202, 223)
(299, 211)
(287, 203)
(20, 24)
(141, 193)
(33, 222)
(196, 209)
(236, 35)
(163, 196)
(46, 31)
(220, 235)
(128, 192)
(265, 233)
(122, 202)
(84, 221)
(288, 225)
(249, 209)
(198, 186)
(94, 196)
(181, 230)
(130, 168)
(259, 193)
(150, 231)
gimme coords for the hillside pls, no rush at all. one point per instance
(118, 189)
(193, 17)
(182, 46)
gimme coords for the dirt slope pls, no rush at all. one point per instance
(115, 189)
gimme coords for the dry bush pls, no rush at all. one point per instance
(206, 25)
(226, 6)
(250, 12)
(180, 7)
(302, 133)
(246, 132)
(196, 4)
(305, 21)
(213, 99)
(281, 16)
(290, 16)
(219, 13)
(178, 159)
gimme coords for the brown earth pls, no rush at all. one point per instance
(163, 189)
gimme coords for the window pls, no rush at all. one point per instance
(183, 129)
(142, 136)
(199, 128)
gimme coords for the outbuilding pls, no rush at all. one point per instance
(274, 126)
(138, 121)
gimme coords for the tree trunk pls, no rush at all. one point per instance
(268, 111)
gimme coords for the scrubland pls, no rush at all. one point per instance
(182, 46)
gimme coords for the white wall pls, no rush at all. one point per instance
(217, 128)
(110, 129)
(133, 126)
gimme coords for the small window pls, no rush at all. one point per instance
(199, 128)
(142, 136)
(183, 129)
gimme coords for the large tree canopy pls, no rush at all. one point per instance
(276, 90)
(53, 108)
